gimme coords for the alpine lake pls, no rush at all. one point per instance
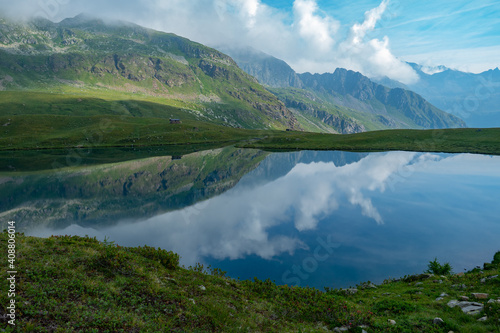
(309, 218)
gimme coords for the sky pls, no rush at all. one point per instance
(374, 37)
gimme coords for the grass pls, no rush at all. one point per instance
(74, 284)
(42, 131)
(468, 140)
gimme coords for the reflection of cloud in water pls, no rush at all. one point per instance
(237, 223)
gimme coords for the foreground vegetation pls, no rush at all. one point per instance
(74, 284)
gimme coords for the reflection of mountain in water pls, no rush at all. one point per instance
(102, 195)
(279, 164)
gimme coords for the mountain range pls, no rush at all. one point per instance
(120, 61)
(372, 105)
(472, 97)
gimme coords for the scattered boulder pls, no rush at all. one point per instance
(483, 280)
(461, 286)
(438, 321)
(351, 291)
(192, 300)
(464, 298)
(485, 318)
(493, 301)
(203, 288)
(419, 283)
(471, 308)
(392, 322)
(480, 295)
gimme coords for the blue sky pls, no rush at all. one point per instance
(374, 37)
(429, 32)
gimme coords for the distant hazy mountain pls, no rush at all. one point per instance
(349, 94)
(123, 60)
(472, 97)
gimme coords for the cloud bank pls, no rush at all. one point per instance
(305, 37)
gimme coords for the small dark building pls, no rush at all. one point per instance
(175, 121)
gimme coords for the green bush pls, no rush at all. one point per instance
(168, 259)
(496, 259)
(434, 267)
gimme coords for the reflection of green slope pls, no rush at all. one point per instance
(104, 194)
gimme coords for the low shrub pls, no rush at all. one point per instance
(167, 259)
(434, 267)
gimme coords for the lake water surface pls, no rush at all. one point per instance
(322, 219)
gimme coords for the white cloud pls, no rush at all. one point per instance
(314, 29)
(373, 57)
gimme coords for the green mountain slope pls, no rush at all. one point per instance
(84, 56)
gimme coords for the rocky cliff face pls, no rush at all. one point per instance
(391, 108)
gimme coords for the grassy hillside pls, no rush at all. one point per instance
(73, 284)
(463, 140)
(25, 132)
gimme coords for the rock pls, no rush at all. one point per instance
(202, 288)
(372, 286)
(192, 300)
(461, 286)
(443, 295)
(483, 280)
(392, 322)
(438, 321)
(492, 277)
(485, 318)
(341, 329)
(386, 294)
(351, 291)
(438, 299)
(480, 295)
(471, 308)
(419, 283)
(464, 298)
(493, 301)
